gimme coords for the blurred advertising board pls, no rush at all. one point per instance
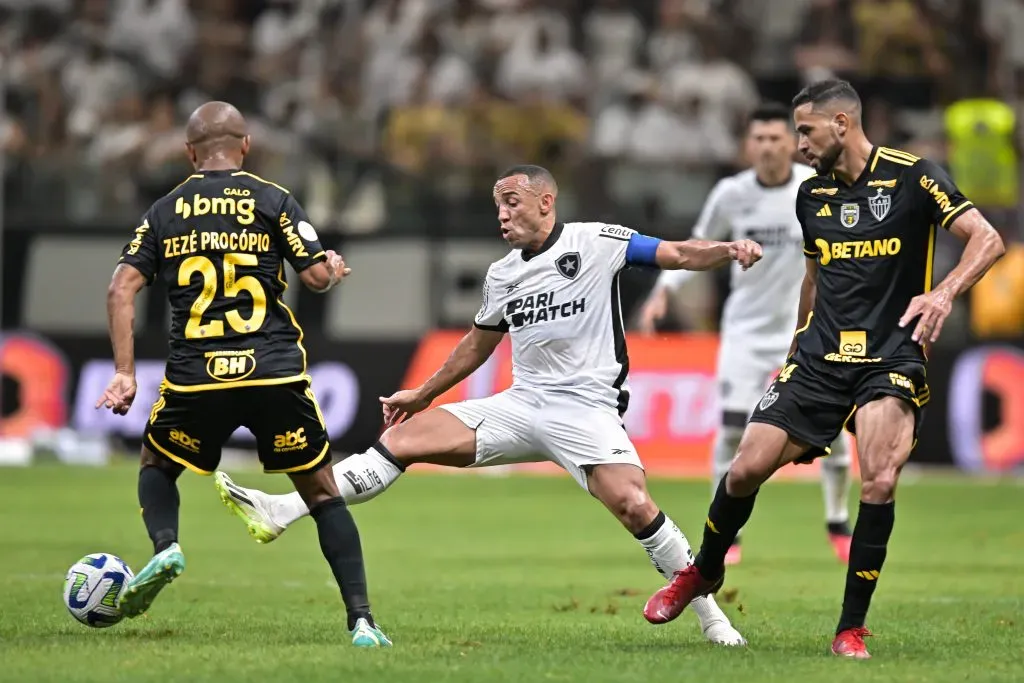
(975, 419)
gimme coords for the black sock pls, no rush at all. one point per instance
(158, 496)
(339, 541)
(838, 528)
(867, 555)
(726, 517)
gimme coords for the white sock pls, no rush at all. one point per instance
(669, 552)
(360, 477)
(835, 482)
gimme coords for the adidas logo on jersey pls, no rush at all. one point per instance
(824, 212)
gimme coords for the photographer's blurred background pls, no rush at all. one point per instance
(389, 119)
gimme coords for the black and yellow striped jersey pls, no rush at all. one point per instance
(218, 241)
(875, 243)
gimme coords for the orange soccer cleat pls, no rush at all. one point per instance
(850, 643)
(669, 602)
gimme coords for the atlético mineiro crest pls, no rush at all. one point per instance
(770, 397)
(569, 265)
(849, 215)
(880, 205)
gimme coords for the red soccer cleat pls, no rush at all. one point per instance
(670, 601)
(850, 643)
(732, 556)
(841, 546)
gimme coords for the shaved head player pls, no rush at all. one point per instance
(218, 242)
(556, 294)
(867, 310)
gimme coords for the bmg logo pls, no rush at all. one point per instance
(290, 441)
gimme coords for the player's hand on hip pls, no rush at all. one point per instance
(653, 311)
(336, 265)
(931, 310)
(402, 404)
(747, 252)
(119, 394)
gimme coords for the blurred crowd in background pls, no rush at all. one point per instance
(393, 116)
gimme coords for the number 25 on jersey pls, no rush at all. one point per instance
(233, 286)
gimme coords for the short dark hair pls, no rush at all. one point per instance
(829, 90)
(533, 173)
(770, 111)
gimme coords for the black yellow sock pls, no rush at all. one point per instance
(158, 496)
(867, 555)
(339, 541)
(726, 517)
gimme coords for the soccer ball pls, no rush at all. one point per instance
(92, 588)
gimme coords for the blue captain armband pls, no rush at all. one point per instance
(641, 250)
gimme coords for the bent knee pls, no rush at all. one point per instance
(879, 487)
(747, 473)
(633, 507)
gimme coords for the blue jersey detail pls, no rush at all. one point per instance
(641, 250)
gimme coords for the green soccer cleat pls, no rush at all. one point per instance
(142, 590)
(365, 635)
(248, 505)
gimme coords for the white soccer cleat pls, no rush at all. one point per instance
(251, 506)
(723, 633)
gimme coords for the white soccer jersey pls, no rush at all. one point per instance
(760, 313)
(561, 307)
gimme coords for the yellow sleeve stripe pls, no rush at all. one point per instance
(191, 177)
(810, 253)
(873, 161)
(894, 159)
(955, 211)
(900, 153)
(318, 254)
(262, 180)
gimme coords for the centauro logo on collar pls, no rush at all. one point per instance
(856, 249)
(230, 366)
(825, 190)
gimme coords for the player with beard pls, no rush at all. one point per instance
(760, 312)
(867, 312)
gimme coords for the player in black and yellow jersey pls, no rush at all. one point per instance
(219, 241)
(868, 309)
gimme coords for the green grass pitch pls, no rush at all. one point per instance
(507, 579)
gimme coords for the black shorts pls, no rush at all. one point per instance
(191, 427)
(812, 400)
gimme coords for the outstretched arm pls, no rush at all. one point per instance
(706, 254)
(468, 355)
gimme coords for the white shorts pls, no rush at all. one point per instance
(743, 377)
(523, 425)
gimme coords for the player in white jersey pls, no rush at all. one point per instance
(557, 294)
(761, 309)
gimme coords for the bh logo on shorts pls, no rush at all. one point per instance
(769, 398)
(568, 265)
